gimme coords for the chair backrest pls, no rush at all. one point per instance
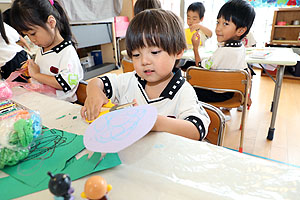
(216, 127)
(81, 92)
(219, 80)
(127, 65)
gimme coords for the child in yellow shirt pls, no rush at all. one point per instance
(195, 15)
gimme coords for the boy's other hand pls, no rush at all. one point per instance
(195, 27)
(22, 42)
(196, 40)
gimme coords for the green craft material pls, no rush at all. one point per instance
(84, 166)
(11, 157)
(20, 140)
(12, 187)
(61, 117)
(24, 132)
(49, 151)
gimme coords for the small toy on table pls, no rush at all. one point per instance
(96, 188)
(60, 186)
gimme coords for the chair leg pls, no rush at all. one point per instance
(249, 102)
(249, 95)
(243, 127)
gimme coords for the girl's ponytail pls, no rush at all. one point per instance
(63, 24)
(2, 29)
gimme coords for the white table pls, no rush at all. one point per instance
(281, 57)
(165, 166)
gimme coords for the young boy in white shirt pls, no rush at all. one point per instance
(234, 21)
(154, 48)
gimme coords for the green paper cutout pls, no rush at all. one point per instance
(12, 187)
(84, 166)
(61, 117)
(52, 149)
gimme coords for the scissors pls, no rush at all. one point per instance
(112, 107)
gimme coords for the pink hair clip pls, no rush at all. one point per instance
(52, 2)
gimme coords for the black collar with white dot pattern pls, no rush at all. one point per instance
(173, 86)
(62, 45)
(233, 43)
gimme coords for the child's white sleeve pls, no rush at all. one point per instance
(192, 110)
(116, 86)
(11, 33)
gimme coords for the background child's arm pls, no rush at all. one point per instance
(22, 42)
(196, 41)
(34, 72)
(204, 29)
(95, 99)
(177, 127)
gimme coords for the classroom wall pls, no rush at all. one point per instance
(127, 8)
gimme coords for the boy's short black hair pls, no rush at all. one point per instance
(156, 27)
(141, 5)
(240, 12)
(197, 7)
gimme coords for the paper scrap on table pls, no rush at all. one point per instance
(260, 54)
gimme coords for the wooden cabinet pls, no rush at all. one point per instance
(286, 27)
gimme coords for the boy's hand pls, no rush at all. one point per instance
(92, 106)
(33, 68)
(195, 27)
(196, 40)
(205, 30)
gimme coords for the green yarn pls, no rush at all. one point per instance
(11, 157)
(23, 133)
(20, 139)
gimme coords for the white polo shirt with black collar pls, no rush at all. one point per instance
(63, 63)
(178, 99)
(229, 55)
